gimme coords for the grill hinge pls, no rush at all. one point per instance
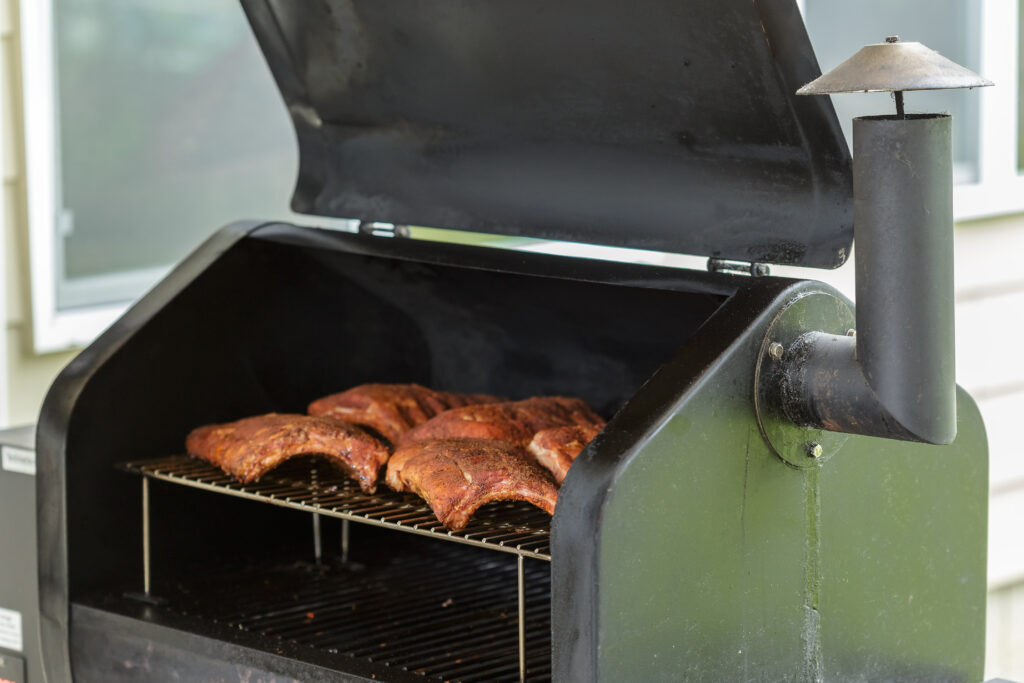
(718, 265)
(383, 229)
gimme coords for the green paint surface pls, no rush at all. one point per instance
(717, 561)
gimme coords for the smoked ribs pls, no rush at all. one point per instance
(458, 475)
(555, 449)
(249, 448)
(392, 409)
(514, 421)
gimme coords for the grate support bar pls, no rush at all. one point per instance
(145, 536)
(521, 581)
(344, 541)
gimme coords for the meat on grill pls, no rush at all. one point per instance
(514, 421)
(457, 476)
(249, 448)
(557, 448)
(392, 409)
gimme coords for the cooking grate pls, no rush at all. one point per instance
(447, 615)
(313, 486)
(309, 484)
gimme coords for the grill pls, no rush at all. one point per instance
(737, 519)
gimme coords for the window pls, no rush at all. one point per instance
(149, 125)
(979, 34)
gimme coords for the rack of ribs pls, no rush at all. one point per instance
(249, 448)
(456, 476)
(555, 449)
(514, 421)
(392, 409)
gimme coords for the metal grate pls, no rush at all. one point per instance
(464, 649)
(448, 614)
(314, 486)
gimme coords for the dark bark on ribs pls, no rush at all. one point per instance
(457, 476)
(392, 409)
(557, 448)
(249, 448)
(514, 421)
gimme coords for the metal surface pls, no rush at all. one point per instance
(791, 441)
(894, 66)
(684, 549)
(717, 265)
(19, 585)
(516, 528)
(903, 189)
(521, 583)
(345, 539)
(690, 140)
(444, 613)
(896, 377)
(145, 537)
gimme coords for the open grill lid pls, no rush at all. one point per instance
(669, 125)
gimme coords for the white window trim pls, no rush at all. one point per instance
(1000, 186)
(52, 329)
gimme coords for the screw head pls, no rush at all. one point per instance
(814, 450)
(775, 351)
(851, 333)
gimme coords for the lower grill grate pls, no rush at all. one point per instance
(449, 616)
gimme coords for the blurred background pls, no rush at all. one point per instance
(132, 129)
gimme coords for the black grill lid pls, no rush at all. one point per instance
(669, 125)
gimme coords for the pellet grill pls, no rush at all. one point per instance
(766, 502)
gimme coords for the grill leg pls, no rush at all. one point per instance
(521, 578)
(145, 535)
(344, 541)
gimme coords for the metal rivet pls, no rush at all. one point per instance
(775, 351)
(892, 39)
(814, 449)
(851, 333)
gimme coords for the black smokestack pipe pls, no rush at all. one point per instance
(896, 377)
(903, 227)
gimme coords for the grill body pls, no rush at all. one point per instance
(682, 546)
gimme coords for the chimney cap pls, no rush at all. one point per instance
(894, 66)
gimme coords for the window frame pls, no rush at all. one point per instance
(53, 329)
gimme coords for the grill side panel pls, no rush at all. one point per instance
(694, 553)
